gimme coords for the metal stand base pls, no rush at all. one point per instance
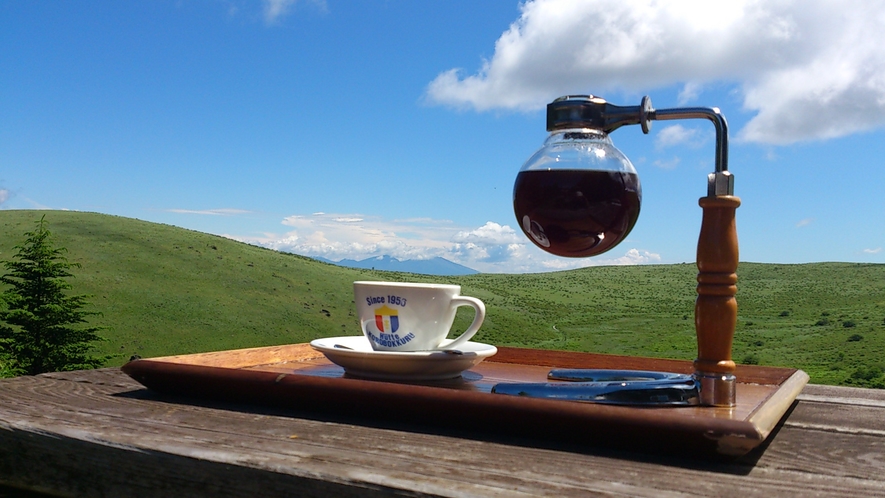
(716, 389)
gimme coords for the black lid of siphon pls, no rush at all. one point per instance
(589, 111)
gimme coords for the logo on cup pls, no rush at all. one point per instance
(386, 320)
(404, 316)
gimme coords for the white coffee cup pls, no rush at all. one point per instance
(396, 316)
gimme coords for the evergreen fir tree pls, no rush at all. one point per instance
(37, 318)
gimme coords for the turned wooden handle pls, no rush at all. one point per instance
(716, 306)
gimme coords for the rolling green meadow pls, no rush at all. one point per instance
(164, 290)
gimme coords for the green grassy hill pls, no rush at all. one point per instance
(165, 290)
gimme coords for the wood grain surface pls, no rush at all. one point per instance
(100, 433)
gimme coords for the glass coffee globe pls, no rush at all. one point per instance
(578, 195)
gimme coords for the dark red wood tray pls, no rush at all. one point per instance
(297, 376)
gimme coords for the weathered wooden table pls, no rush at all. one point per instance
(100, 433)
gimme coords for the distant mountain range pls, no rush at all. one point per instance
(435, 266)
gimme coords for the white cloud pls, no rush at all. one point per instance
(805, 222)
(667, 163)
(873, 251)
(274, 10)
(491, 243)
(632, 256)
(4, 195)
(689, 93)
(676, 135)
(210, 212)
(490, 233)
(809, 69)
(352, 236)
(637, 257)
(491, 248)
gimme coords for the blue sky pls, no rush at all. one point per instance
(359, 129)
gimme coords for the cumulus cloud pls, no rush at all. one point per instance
(808, 69)
(355, 236)
(637, 257)
(4, 195)
(490, 233)
(490, 243)
(491, 248)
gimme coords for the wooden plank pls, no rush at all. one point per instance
(99, 433)
(836, 432)
(841, 409)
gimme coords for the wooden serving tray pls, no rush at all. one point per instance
(297, 376)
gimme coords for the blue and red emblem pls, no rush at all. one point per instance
(386, 320)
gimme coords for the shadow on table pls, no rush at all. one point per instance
(611, 445)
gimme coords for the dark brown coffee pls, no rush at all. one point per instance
(576, 213)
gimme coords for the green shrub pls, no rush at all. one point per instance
(867, 373)
(750, 359)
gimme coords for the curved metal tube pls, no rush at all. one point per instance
(711, 113)
(590, 111)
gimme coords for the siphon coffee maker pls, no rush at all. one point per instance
(579, 196)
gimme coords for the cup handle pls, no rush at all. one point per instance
(480, 309)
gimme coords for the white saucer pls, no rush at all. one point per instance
(356, 356)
